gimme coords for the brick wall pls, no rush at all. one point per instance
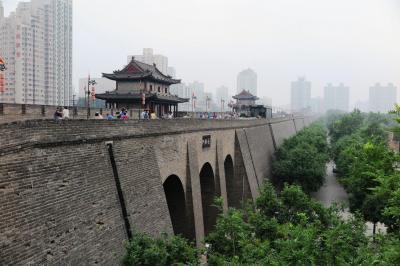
(59, 202)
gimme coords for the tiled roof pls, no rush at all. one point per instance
(137, 70)
(245, 95)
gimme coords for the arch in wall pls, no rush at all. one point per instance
(231, 188)
(176, 201)
(208, 193)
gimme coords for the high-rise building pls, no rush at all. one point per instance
(183, 91)
(198, 91)
(300, 95)
(317, 105)
(247, 80)
(171, 72)
(148, 57)
(1, 10)
(222, 94)
(36, 43)
(337, 97)
(382, 98)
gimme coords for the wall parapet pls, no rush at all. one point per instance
(40, 133)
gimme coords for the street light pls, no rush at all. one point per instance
(90, 82)
(207, 100)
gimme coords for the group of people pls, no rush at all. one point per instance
(147, 115)
(61, 113)
(122, 115)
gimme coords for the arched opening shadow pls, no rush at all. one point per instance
(233, 189)
(208, 193)
(175, 195)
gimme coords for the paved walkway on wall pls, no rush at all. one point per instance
(333, 192)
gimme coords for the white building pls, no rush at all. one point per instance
(184, 91)
(171, 72)
(222, 94)
(300, 95)
(36, 43)
(247, 80)
(198, 91)
(148, 57)
(337, 97)
(382, 98)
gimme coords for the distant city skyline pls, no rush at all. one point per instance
(300, 95)
(247, 80)
(337, 97)
(382, 97)
(354, 42)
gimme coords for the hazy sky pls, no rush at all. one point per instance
(356, 42)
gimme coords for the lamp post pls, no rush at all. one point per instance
(90, 82)
(207, 100)
(194, 98)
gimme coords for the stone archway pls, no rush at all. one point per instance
(175, 196)
(232, 191)
(208, 193)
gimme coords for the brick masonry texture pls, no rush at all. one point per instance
(58, 199)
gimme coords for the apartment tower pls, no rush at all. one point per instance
(36, 43)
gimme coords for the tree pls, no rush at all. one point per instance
(302, 158)
(345, 126)
(144, 250)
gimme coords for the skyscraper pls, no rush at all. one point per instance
(382, 98)
(300, 95)
(184, 91)
(222, 93)
(36, 43)
(148, 57)
(1, 10)
(337, 97)
(247, 80)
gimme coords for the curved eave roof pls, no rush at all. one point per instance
(138, 77)
(115, 96)
(255, 98)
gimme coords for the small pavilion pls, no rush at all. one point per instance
(141, 86)
(246, 105)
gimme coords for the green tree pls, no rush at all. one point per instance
(146, 251)
(301, 164)
(345, 126)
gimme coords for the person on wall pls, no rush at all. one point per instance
(65, 113)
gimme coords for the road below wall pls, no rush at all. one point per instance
(333, 192)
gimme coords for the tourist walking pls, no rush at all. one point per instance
(65, 113)
(109, 117)
(98, 116)
(58, 115)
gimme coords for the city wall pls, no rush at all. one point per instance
(21, 112)
(72, 193)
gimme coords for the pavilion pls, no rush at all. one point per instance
(141, 86)
(246, 105)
